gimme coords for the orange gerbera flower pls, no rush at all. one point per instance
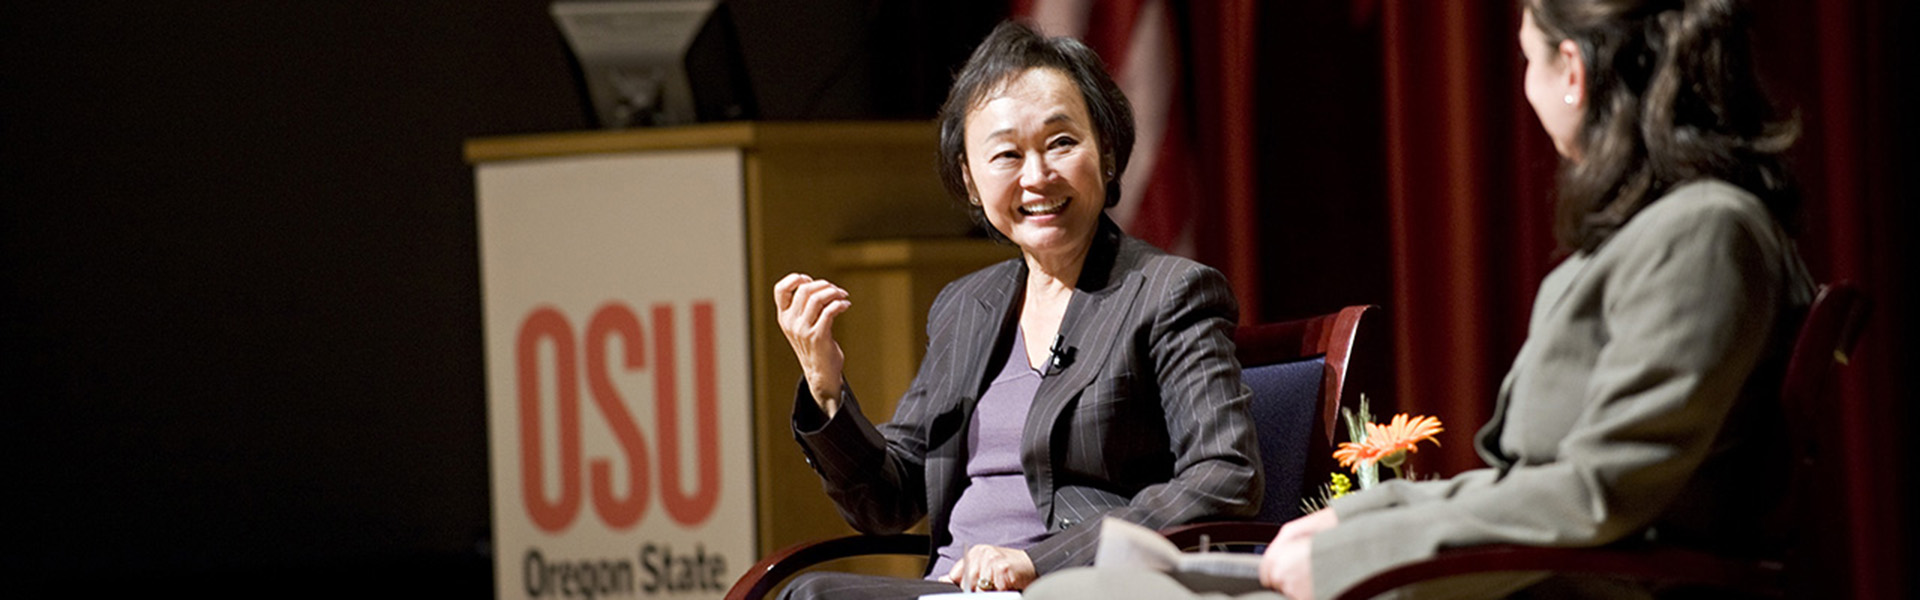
(1386, 441)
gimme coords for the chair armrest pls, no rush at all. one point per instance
(1653, 564)
(761, 578)
(1188, 536)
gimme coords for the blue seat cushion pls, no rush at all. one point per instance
(1286, 399)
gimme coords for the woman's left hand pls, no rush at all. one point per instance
(989, 568)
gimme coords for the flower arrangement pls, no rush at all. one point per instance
(1374, 445)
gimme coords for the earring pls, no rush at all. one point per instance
(1569, 99)
(974, 200)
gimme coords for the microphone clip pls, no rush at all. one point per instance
(1060, 356)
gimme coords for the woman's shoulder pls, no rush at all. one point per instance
(1139, 256)
(1169, 280)
(1699, 211)
(1706, 200)
(994, 280)
(1699, 225)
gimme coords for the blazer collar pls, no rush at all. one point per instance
(1105, 291)
(1107, 286)
(1106, 277)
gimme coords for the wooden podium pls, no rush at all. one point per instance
(858, 203)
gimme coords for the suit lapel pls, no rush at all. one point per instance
(1091, 330)
(1092, 326)
(997, 304)
(1553, 292)
(987, 315)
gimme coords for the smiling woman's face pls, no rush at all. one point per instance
(1033, 163)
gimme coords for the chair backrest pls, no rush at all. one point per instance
(1826, 339)
(1299, 374)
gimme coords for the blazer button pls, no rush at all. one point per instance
(1066, 523)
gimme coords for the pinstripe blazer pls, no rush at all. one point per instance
(1148, 422)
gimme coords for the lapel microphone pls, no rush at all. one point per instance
(1060, 355)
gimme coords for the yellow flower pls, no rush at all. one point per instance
(1389, 442)
(1340, 485)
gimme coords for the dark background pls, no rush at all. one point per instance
(240, 330)
(241, 301)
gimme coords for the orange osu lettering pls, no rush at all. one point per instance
(548, 324)
(615, 321)
(610, 320)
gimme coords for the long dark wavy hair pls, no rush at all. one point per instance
(1672, 97)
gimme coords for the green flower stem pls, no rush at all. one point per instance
(1394, 461)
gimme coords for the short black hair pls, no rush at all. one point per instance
(1014, 48)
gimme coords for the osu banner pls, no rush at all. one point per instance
(618, 400)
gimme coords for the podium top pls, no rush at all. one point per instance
(740, 134)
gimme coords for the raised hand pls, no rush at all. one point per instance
(807, 308)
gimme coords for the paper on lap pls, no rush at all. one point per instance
(1125, 545)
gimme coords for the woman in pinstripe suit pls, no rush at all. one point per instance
(1093, 376)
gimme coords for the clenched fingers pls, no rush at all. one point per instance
(807, 308)
(783, 289)
(823, 301)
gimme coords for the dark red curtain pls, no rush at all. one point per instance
(1469, 189)
(1468, 173)
(1841, 72)
(1221, 37)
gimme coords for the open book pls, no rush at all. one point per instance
(1125, 545)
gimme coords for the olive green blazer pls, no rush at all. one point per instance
(1642, 403)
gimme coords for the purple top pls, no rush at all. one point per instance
(996, 507)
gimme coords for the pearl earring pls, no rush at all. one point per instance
(1569, 99)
